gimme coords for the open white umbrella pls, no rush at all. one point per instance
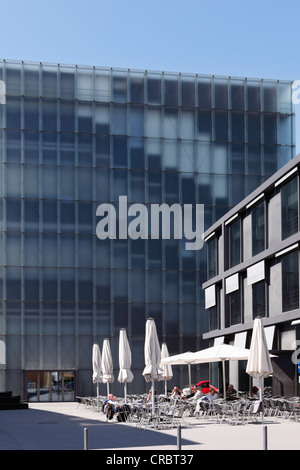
(96, 361)
(167, 372)
(259, 364)
(125, 374)
(221, 352)
(186, 358)
(107, 364)
(152, 370)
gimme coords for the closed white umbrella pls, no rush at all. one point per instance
(259, 364)
(96, 361)
(152, 370)
(125, 374)
(167, 372)
(107, 364)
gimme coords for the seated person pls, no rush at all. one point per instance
(230, 392)
(111, 406)
(176, 392)
(255, 393)
(213, 393)
(198, 393)
(149, 398)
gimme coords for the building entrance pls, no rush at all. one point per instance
(50, 385)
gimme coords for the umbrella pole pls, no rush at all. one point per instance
(125, 391)
(260, 398)
(152, 396)
(224, 378)
(107, 388)
(166, 391)
(190, 379)
(97, 389)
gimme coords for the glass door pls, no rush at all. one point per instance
(50, 385)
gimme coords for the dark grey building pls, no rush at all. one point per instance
(253, 270)
(73, 138)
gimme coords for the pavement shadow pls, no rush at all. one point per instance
(43, 430)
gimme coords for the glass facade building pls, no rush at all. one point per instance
(75, 137)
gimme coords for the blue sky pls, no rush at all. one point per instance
(232, 37)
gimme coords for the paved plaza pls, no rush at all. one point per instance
(62, 426)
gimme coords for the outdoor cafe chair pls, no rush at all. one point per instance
(144, 418)
(254, 411)
(227, 411)
(275, 410)
(292, 409)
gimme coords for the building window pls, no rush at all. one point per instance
(289, 208)
(259, 299)
(234, 308)
(258, 228)
(212, 256)
(214, 312)
(235, 243)
(290, 281)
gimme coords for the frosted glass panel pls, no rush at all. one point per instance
(31, 250)
(67, 82)
(186, 156)
(170, 155)
(85, 184)
(13, 249)
(49, 181)
(31, 80)
(153, 123)
(84, 117)
(221, 93)
(119, 119)
(119, 85)
(67, 250)
(137, 121)
(204, 125)
(187, 125)
(84, 84)
(102, 86)
(67, 188)
(220, 159)
(85, 251)
(50, 250)
(49, 81)
(285, 130)
(284, 104)
(188, 91)
(31, 181)
(13, 180)
(170, 124)
(269, 97)
(204, 157)
(102, 119)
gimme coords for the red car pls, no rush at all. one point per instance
(204, 384)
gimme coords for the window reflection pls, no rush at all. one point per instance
(290, 281)
(289, 208)
(258, 228)
(234, 243)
